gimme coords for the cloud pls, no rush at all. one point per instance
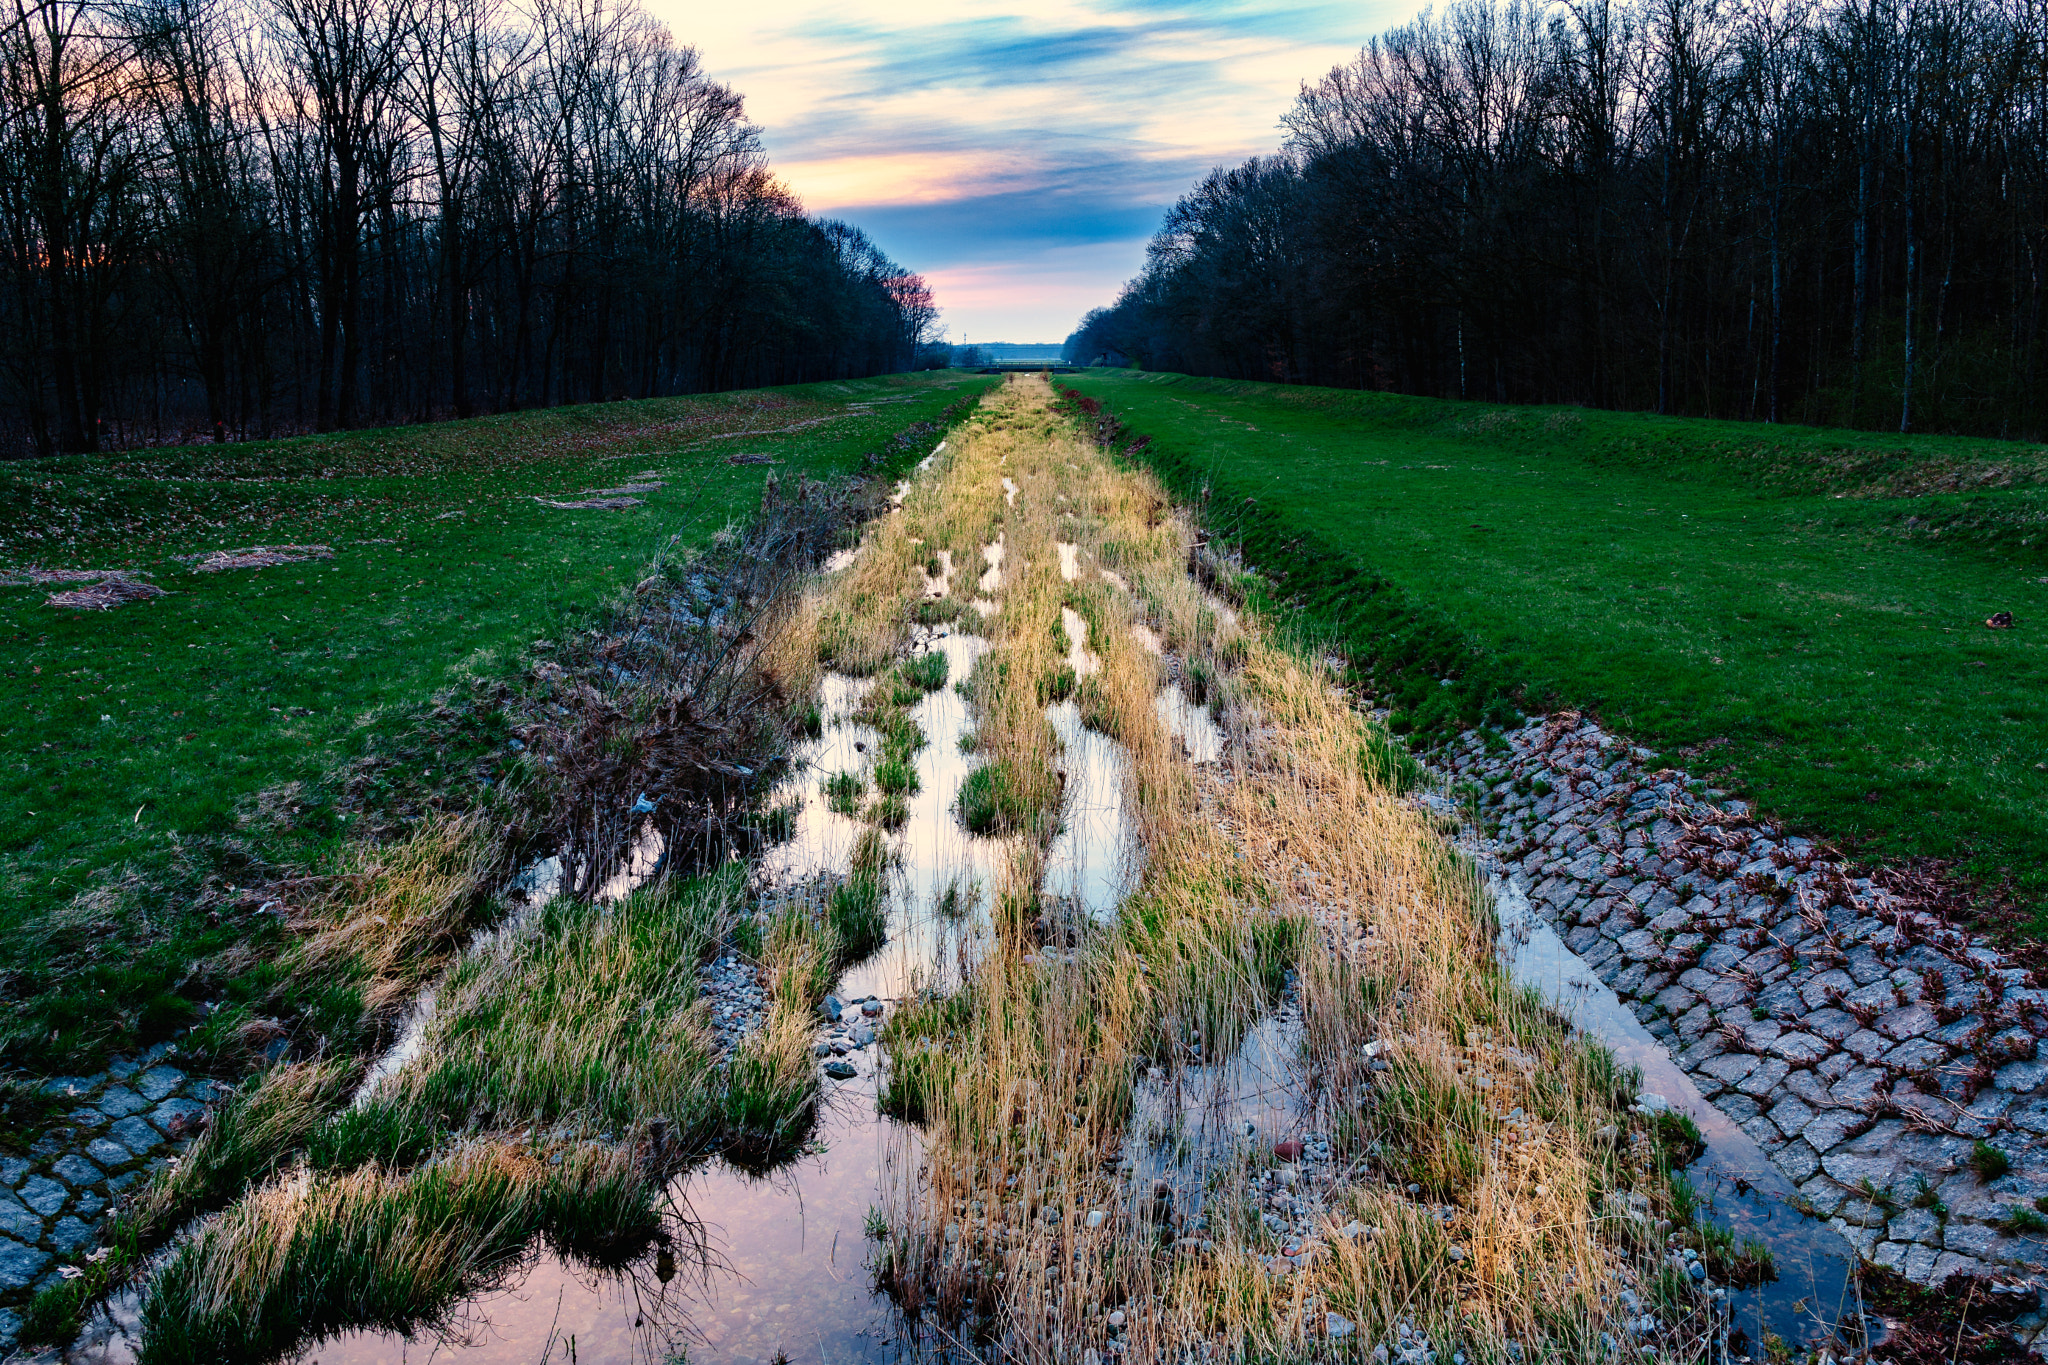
(1039, 139)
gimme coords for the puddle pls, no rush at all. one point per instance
(1186, 1123)
(411, 1035)
(1192, 725)
(940, 876)
(777, 1267)
(938, 585)
(1078, 656)
(1734, 1177)
(991, 579)
(1096, 857)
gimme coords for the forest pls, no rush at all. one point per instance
(223, 219)
(1761, 209)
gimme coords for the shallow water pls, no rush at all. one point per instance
(1743, 1189)
(783, 1268)
(1187, 1122)
(1201, 738)
(1096, 857)
(991, 579)
(783, 1264)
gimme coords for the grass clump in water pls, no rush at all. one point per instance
(991, 802)
(385, 1250)
(592, 1017)
(843, 793)
(926, 672)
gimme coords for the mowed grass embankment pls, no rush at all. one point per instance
(149, 752)
(1799, 612)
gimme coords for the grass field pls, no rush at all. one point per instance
(1800, 611)
(151, 752)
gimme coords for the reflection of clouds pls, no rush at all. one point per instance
(1044, 125)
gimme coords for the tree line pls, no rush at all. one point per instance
(229, 218)
(1830, 213)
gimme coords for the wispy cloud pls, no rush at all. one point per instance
(1018, 154)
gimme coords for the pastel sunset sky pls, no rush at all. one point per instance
(1017, 154)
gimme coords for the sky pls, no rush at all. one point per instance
(1018, 155)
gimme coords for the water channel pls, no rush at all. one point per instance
(777, 1266)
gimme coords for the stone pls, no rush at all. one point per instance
(1852, 1169)
(75, 1171)
(1817, 989)
(1860, 1236)
(1739, 1107)
(1859, 1086)
(1879, 995)
(44, 1195)
(1731, 1068)
(841, 1071)
(1640, 945)
(1791, 1115)
(184, 1118)
(2022, 1077)
(1948, 1263)
(1830, 1128)
(70, 1234)
(12, 1169)
(1909, 1021)
(1797, 1160)
(107, 1152)
(1810, 1088)
(19, 1221)
(159, 1083)
(1916, 1225)
(1977, 1239)
(1916, 1054)
(118, 1102)
(1800, 1049)
(1824, 1194)
(1767, 1077)
(1830, 1024)
(136, 1135)
(1336, 1326)
(19, 1265)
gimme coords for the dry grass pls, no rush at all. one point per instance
(401, 910)
(1296, 852)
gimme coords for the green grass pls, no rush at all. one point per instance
(1798, 613)
(158, 759)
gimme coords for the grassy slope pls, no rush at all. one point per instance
(1808, 603)
(133, 741)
